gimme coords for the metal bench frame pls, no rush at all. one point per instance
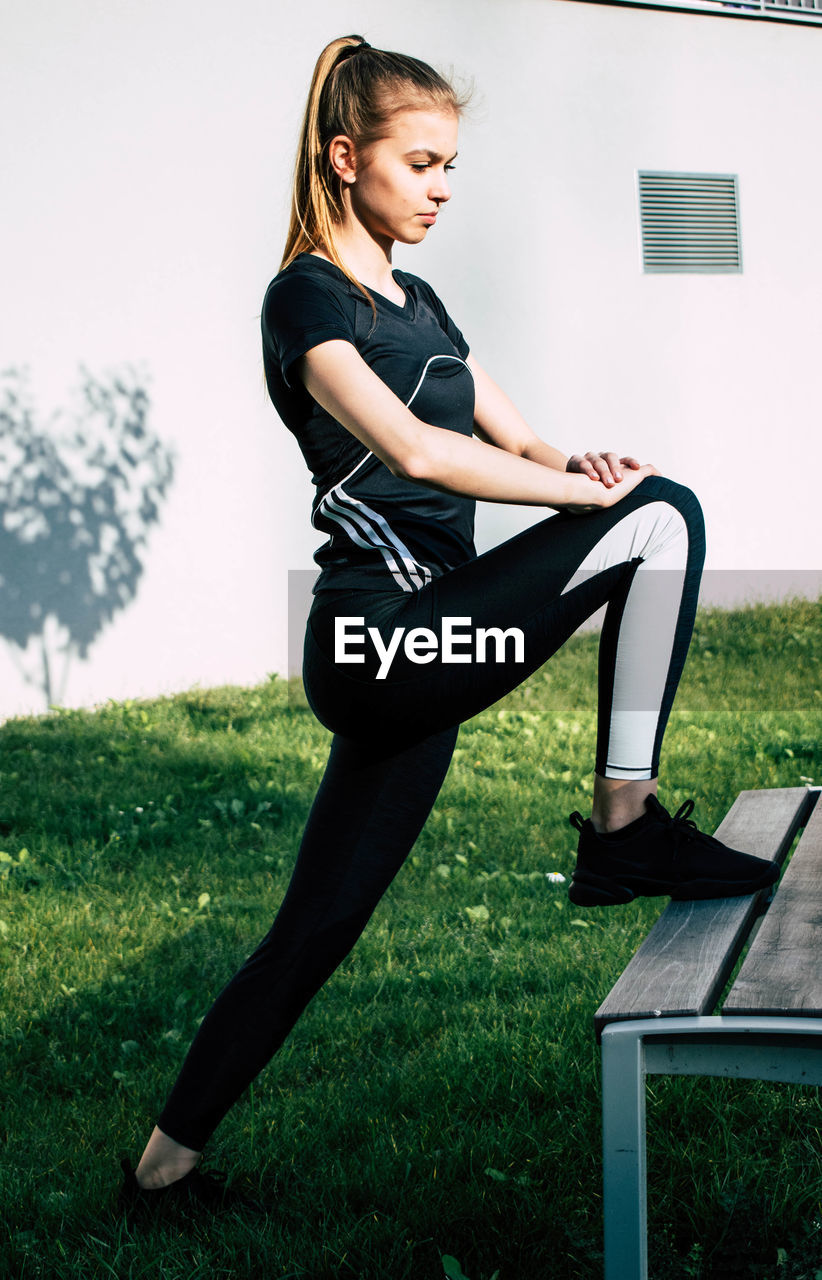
(741, 1045)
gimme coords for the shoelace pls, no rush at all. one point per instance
(681, 815)
(680, 824)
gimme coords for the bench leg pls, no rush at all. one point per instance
(623, 1149)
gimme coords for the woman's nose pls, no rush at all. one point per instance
(440, 190)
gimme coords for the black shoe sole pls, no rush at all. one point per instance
(587, 890)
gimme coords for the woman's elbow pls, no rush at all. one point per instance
(418, 454)
(416, 464)
(411, 467)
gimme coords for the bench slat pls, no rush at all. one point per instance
(782, 972)
(687, 958)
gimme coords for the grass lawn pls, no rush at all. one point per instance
(440, 1097)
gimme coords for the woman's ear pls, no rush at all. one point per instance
(342, 158)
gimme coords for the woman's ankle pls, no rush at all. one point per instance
(617, 802)
(164, 1161)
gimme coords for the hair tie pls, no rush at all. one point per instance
(351, 50)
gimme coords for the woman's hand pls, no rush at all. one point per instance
(606, 467)
(618, 488)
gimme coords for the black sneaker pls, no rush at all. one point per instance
(193, 1195)
(659, 854)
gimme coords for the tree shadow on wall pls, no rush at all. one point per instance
(78, 498)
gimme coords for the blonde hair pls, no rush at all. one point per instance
(355, 90)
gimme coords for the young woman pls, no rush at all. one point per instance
(410, 632)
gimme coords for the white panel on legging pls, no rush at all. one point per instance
(655, 533)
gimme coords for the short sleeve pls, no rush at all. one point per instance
(445, 322)
(299, 313)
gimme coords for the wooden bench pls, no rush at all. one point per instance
(659, 1016)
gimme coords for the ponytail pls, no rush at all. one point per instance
(355, 90)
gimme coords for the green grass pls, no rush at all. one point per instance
(440, 1096)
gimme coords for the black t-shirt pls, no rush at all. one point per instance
(384, 532)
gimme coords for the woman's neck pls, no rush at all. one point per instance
(368, 260)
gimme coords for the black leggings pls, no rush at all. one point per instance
(394, 733)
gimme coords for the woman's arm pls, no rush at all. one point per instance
(499, 422)
(338, 378)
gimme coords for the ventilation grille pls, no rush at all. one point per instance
(798, 11)
(690, 222)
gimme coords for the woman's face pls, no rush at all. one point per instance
(401, 182)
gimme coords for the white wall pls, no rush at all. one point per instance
(146, 152)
